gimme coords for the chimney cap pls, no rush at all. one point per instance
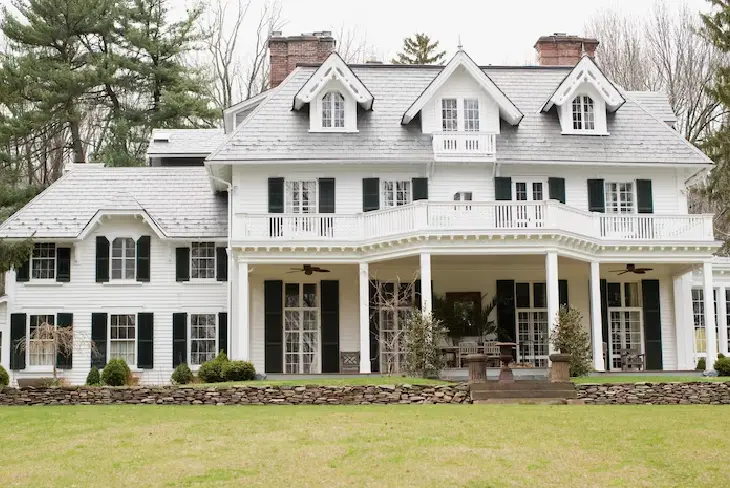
(563, 37)
(373, 60)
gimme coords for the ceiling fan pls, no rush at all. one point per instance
(631, 268)
(308, 269)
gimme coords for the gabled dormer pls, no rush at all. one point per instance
(583, 99)
(333, 94)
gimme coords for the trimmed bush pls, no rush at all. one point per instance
(116, 373)
(701, 364)
(722, 366)
(238, 371)
(212, 371)
(4, 378)
(569, 337)
(93, 378)
(182, 375)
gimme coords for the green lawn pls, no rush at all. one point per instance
(647, 379)
(348, 381)
(437, 445)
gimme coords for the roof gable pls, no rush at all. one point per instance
(585, 72)
(508, 111)
(334, 68)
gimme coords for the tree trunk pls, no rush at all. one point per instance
(76, 143)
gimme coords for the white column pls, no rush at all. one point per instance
(722, 320)
(553, 300)
(596, 317)
(709, 316)
(364, 280)
(6, 347)
(426, 305)
(243, 312)
(684, 322)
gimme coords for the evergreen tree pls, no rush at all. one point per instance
(420, 50)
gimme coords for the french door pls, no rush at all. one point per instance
(533, 337)
(395, 309)
(625, 321)
(301, 328)
(529, 216)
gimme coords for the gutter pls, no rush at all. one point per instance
(229, 252)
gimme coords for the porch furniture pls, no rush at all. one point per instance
(632, 359)
(491, 350)
(505, 355)
(477, 368)
(466, 348)
(349, 362)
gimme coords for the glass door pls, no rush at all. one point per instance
(301, 328)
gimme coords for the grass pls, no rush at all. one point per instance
(379, 446)
(348, 381)
(647, 379)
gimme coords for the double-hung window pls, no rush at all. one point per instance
(124, 258)
(584, 117)
(43, 261)
(202, 256)
(333, 110)
(41, 351)
(471, 114)
(620, 197)
(203, 338)
(122, 337)
(395, 193)
(449, 115)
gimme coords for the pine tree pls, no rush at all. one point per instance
(420, 50)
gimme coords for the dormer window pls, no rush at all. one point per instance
(333, 110)
(584, 117)
(450, 114)
(471, 114)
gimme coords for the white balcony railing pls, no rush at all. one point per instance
(464, 145)
(478, 218)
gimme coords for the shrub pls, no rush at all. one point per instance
(93, 378)
(569, 337)
(182, 374)
(701, 364)
(238, 371)
(422, 335)
(722, 366)
(720, 356)
(116, 373)
(212, 371)
(4, 378)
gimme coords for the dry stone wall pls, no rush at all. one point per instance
(705, 393)
(239, 395)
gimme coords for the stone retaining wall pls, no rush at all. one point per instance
(704, 393)
(239, 395)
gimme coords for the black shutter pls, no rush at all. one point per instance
(102, 259)
(374, 328)
(563, 292)
(370, 194)
(557, 189)
(17, 336)
(182, 264)
(64, 361)
(273, 326)
(420, 188)
(223, 332)
(644, 198)
(330, 299)
(596, 196)
(63, 264)
(179, 339)
(98, 337)
(503, 188)
(652, 324)
(417, 294)
(143, 258)
(604, 317)
(221, 264)
(145, 340)
(22, 274)
(326, 195)
(506, 313)
(276, 195)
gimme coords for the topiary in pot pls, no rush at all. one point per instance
(722, 366)
(93, 378)
(701, 364)
(569, 337)
(4, 378)
(116, 373)
(182, 375)
(238, 371)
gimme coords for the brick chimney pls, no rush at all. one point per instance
(563, 50)
(286, 52)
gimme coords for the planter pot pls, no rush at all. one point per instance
(477, 368)
(560, 368)
(505, 356)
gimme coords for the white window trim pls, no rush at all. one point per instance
(623, 308)
(582, 99)
(109, 337)
(215, 262)
(565, 112)
(301, 309)
(124, 258)
(395, 192)
(529, 182)
(478, 112)
(633, 192)
(332, 102)
(287, 194)
(55, 265)
(350, 108)
(532, 325)
(190, 335)
(698, 355)
(460, 115)
(35, 368)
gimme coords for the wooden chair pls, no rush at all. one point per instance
(632, 358)
(491, 350)
(466, 348)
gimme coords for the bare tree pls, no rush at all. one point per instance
(352, 44)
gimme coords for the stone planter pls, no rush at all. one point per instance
(477, 368)
(560, 369)
(505, 356)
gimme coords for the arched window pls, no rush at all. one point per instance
(583, 113)
(333, 110)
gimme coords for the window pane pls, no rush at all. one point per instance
(202, 338)
(471, 114)
(202, 260)
(520, 191)
(614, 294)
(43, 261)
(449, 114)
(310, 294)
(540, 295)
(632, 295)
(522, 295)
(291, 291)
(537, 192)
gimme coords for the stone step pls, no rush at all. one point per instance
(529, 401)
(521, 385)
(523, 394)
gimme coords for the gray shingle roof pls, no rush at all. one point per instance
(275, 132)
(185, 141)
(180, 200)
(655, 102)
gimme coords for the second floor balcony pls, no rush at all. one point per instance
(464, 146)
(472, 218)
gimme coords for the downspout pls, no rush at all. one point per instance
(229, 253)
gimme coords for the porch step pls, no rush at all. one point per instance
(520, 391)
(530, 401)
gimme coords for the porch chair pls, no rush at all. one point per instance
(349, 362)
(491, 350)
(466, 348)
(632, 358)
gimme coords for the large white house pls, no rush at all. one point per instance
(273, 237)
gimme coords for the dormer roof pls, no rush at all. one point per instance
(334, 68)
(508, 111)
(586, 71)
